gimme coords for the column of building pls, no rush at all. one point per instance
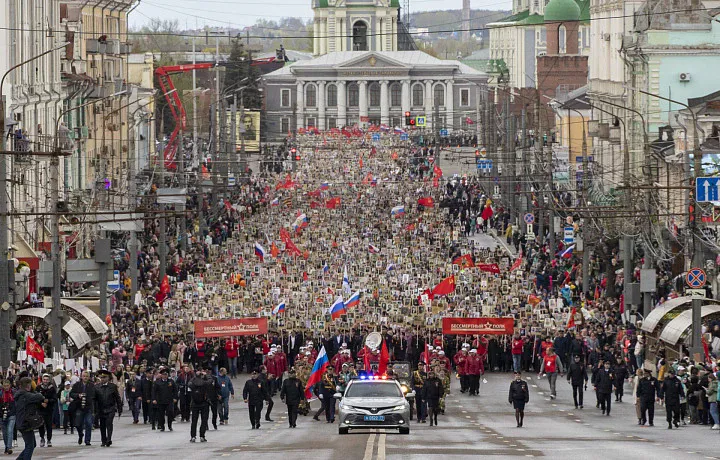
(363, 100)
(323, 36)
(449, 106)
(384, 103)
(316, 37)
(321, 105)
(299, 112)
(428, 104)
(341, 104)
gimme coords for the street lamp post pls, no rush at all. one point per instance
(5, 325)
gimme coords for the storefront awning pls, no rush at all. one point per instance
(34, 312)
(672, 332)
(97, 324)
(654, 317)
(77, 333)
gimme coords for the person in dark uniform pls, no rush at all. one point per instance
(518, 397)
(213, 395)
(83, 396)
(183, 381)
(146, 385)
(432, 391)
(164, 396)
(199, 388)
(603, 385)
(49, 391)
(107, 402)
(620, 373)
(268, 383)
(418, 381)
(671, 391)
(646, 394)
(254, 394)
(292, 393)
(577, 376)
(326, 391)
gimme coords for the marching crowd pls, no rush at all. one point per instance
(354, 219)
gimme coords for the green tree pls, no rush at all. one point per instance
(240, 73)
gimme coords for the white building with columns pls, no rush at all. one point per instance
(362, 76)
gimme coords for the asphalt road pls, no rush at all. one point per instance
(483, 425)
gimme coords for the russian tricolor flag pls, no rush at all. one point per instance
(346, 281)
(279, 309)
(353, 301)
(566, 253)
(399, 130)
(373, 249)
(398, 211)
(324, 186)
(259, 251)
(338, 308)
(275, 202)
(300, 222)
(321, 364)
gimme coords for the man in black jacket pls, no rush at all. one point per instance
(292, 393)
(27, 402)
(519, 396)
(646, 393)
(577, 376)
(49, 391)
(83, 397)
(432, 391)
(254, 393)
(164, 398)
(671, 391)
(603, 385)
(107, 402)
(214, 396)
(183, 381)
(146, 385)
(199, 390)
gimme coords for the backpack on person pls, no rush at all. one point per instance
(199, 394)
(33, 419)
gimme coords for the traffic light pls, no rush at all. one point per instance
(407, 118)
(295, 154)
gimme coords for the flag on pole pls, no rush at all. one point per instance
(337, 309)
(353, 301)
(34, 350)
(384, 359)
(321, 364)
(566, 253)
(346, 281)
(260, 251)
(445, 286)
(280, 308)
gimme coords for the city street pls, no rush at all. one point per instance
(479, 426)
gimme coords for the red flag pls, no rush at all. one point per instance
(305, 276)
(283, 267)
(429, 293)
(274, 251)
(597, 292)
(571, 319)
(436, 182)
(464, 261)
(487, 213)
(333, 203)
(205, 172)
(368, 179)
(427, 201)
(445, 286)
(366, 358)
(410, 227)
(622, 303)
(437, 171)
(517, 263)
(34, 350)
(384, 359)
(533, 299)
(314, 193)
(492, 268)
(361, 162)
(314, 205)
(164, 290)
(469, 121)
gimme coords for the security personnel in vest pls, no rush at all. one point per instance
(418, 381)
(671, 391)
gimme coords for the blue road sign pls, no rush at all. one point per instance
(444, 132)
(376, 137)
(707, 189)
(485, 165)
(696, 278)
(404, 137)
(529, 218)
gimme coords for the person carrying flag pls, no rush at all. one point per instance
(325, 391)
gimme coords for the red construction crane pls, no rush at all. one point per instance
(176, 107)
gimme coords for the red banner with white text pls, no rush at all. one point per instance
(231, 327)
(471, 326)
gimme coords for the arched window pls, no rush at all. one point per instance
(359, 37)
(353, 95)
(332, 96)
(439, 95)
(395, 95)
(418, 95)
(374, 95)
(562, 39)
(311, 96)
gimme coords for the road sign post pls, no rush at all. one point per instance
(707, 189)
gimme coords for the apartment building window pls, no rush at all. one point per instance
(284, 125)
(285, 98)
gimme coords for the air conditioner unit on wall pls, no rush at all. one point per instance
(684, 76)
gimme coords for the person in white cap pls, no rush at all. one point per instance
(459, 359)
(473, 368)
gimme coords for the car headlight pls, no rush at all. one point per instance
(398, 408)
(346, 407)
(404, 389)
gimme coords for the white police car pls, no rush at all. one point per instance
(374, 402)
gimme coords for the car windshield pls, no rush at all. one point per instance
(373, 390)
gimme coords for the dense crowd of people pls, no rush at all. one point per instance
(355, 217)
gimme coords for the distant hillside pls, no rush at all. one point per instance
(452, 19)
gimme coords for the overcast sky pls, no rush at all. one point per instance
(240, 13)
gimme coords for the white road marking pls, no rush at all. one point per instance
(369, 447)
(381, 447)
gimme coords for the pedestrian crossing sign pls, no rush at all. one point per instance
(420, 120)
